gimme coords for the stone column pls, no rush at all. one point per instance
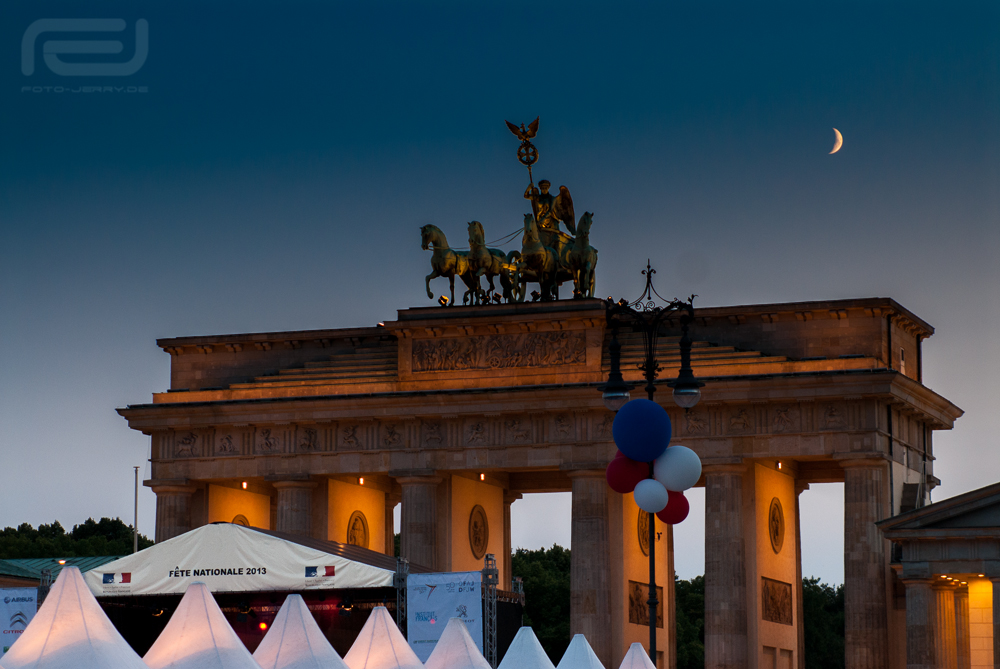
(725, 569)
(294, 507)
(800, 653)
(589, 603)
(173, 510)
(921, 621)
(866, 622)
(962, 636)
(418, 522)
(390, 523)
(508, 499)
(945, 647)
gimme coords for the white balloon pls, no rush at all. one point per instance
(651, 496)
(678, 468)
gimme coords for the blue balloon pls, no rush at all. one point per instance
(641, 430)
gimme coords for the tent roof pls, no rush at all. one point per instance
(637, 658)
(32, 567)
(456, 649)
(70, 631)
(526, 653)
(579, 655)
(381, 645)
(198, 636)
(233, 558)
(295, 641)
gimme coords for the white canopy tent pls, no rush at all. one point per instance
(525, 653)
(295, 641)
(381, 645)
(233, 558)
(456, 649)
(579, 655)
(70, 631)
(198, 636)
(637, 658)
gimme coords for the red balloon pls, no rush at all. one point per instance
(624, 474)
(676, 509)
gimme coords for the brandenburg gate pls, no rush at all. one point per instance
(456, 412)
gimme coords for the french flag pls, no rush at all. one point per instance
(313, 572)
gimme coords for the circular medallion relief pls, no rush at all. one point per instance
(479, 532)
(357, 530)
(642, 526)
(240, 519)
(776, 525)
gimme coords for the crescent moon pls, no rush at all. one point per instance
(838, 142)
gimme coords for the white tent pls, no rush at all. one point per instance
(70, 631)
(526, 653)
(456, 649)
(232, 558)
(579, 655)
(381, 645)
(637, 658)
(295, 641)
(198, 636)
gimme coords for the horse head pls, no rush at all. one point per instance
(431, 234)
(476, 233)
(530, 230)
(583, 227)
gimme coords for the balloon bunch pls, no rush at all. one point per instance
(642, 433)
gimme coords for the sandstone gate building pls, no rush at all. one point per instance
(457, 412)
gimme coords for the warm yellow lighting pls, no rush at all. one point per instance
(482, 477)
(980, 575)
(361, 480)
(244, 485)
(779, 464)
(62, 561)
(943, 576)
(262, 626)
(965, 583)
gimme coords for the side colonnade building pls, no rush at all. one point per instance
(457, 412)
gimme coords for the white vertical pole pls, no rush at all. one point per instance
(135, 514)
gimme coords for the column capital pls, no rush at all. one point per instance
(285, 485)
(723, 468)
(586, 473)
(800, 487)
(173, 489)
(865, 461)
(511, 497)
(418, 480)
(917, 580)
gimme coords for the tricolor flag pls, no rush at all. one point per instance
(313, 572)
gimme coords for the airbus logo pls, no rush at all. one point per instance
(8, 600)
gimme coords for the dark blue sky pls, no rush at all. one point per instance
(276, 172)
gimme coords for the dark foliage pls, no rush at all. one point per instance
(689, 598)
(823, 615)
(546, 593)
(105, 537)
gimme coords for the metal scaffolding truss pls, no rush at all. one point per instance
(491, 580)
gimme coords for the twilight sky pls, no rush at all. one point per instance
(276, 171)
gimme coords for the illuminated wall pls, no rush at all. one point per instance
(345, 499)
(981, 622)
(465, 494)
(224, 504)
(778, 640)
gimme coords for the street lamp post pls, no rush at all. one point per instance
(646, 316)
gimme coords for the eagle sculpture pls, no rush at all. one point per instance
(522, 133)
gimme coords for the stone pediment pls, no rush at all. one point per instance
(975, 511)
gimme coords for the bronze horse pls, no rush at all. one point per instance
(447, 262)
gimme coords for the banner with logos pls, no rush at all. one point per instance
(231, 558)
(17, 608)
(431, 599)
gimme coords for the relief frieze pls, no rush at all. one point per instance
(502, 351)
